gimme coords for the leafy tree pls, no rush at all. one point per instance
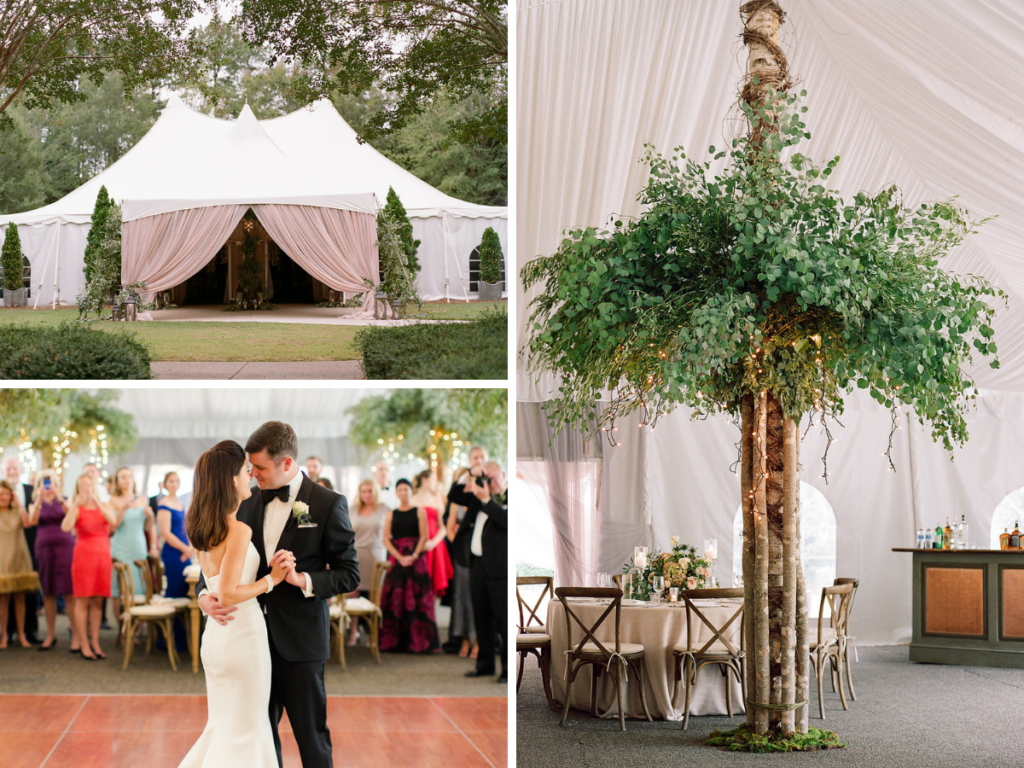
(50, 48)
(394, 211)
(760, 293)
(414, 50)
(97, 231)
(476, 416)
(23, 179)
(490, 257)
(398, 280)
(106, 267)
(12, 259)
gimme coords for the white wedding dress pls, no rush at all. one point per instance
(236, 658)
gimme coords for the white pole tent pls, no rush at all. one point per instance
(598, 80)
(188, 160)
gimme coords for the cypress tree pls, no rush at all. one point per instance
(96, 232)
(395, 212)
(12, 259)
(490, 257)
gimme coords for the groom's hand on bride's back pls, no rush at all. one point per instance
(211, 607)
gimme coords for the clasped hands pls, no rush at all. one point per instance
(282, 568)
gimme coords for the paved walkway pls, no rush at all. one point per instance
(330, 369)
(289, 313)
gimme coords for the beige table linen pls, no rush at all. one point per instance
(659, 628)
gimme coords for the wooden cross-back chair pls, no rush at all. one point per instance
(826, 643)
(161, 616)
(531, 634)
(721, 649)
(847, 639)
(343, 611)
(152, 570)
(615, 657)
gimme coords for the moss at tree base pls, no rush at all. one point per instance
(743, 739)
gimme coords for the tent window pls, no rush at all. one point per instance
(1009, 512)
(474, 270)
(817, 544)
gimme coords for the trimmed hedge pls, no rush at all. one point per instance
(473, 350)
(70, 351)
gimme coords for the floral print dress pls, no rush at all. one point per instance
(407, 599)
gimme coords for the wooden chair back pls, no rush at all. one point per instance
(615, 595)
(147, 579)
(124, 580)
(719, 632)
(617, 578)
(848, 603)
(837, 599)
(528, 613)
(157, 571)
(377, 581)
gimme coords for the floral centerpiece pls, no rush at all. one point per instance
(681, 568)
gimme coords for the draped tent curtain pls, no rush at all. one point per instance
(336, 247)
(168, 248)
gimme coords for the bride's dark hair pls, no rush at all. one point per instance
(213, 495)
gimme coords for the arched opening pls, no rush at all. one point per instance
(1008, 513)
(474, 270)
(817, 543)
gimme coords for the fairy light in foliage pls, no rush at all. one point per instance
(98, 453)
(26, 455)
(61, 447)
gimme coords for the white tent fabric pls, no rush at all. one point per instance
(310, 157)
(916, 93)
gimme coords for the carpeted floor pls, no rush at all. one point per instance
(906, 715)
(30, 671)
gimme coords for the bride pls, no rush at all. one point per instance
(236, 655)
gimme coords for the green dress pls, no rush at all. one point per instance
(129, 544)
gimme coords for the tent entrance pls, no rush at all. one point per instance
(292, 284)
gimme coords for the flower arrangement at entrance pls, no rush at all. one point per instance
(680, 568)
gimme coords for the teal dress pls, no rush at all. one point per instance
(129, 544)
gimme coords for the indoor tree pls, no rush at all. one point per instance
(760, 293)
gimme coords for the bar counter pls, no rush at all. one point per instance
(968, 607)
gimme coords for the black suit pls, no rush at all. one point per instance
(488, 572)
(299, 627)
(31, 604)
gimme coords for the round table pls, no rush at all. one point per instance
(659, 628)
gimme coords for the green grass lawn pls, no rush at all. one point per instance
(210, 342)
(457, 310)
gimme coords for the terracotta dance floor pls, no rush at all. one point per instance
(157, 731)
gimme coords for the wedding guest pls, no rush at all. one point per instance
(54, 553)
(177, 553)
(91, 570)
(132, 526)
(23, 496)
(17, 577)
(382, 474)
(103, 486)
(485, 494)
(368, 525)
(325, 483)
(461, 627)
(407, 600)
(314, 467)
(428, 498)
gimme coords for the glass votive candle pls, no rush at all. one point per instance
(673, 594)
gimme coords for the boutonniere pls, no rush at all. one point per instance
(300, 511)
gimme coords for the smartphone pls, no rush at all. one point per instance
(47, 483)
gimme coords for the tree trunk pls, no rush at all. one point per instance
(790, 555)
(747, 422)
(759, 614)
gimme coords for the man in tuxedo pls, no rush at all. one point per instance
(313, 468)
(485, 496)
(23, 495)
(382, 474)
(297, 612)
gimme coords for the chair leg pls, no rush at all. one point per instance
(687, 663)
(728, 690)
(849, 678)
(374, 637)
(568, 694)
(839, 677)
(819, 670)
(743, 681)
(522, 666)
(595, 676)
(169, 640)
(676, 677)
(643, 689)
(129, 645)
(616, 673)
(545, 668)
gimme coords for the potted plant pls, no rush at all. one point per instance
(15, 293)
(491, 284)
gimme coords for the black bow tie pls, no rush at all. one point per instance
(277, 493)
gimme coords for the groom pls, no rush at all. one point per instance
(297, 613)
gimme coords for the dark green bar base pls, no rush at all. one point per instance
(970, 657)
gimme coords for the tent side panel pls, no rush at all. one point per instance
(39, 243)
(465, 236)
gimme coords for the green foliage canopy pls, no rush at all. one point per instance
(40, 414)
(479, 416)
(761, 279)
(395, 211)
(106, 266)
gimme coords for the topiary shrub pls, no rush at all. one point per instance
(71, 351)
(106, 265)
(490, 257)
(11, 261)
(97, 232)
(394, 212)
(474, 350)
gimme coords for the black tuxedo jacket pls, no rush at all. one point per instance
(300, 626)
(494, 539)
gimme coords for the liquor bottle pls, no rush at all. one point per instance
(928, 538)
(1004, 539)
(937, 541)
(963, 532)
(1015, 537)
(947, 536)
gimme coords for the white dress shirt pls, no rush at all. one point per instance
(275, 517)
(476, 545)
(19, 494)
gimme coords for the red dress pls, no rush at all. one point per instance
(91, 565)
(438, 561)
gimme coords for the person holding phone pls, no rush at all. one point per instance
(54, 552)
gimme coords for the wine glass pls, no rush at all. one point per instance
(604, 580)
(659, 587)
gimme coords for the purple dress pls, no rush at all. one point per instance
(54, 551)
